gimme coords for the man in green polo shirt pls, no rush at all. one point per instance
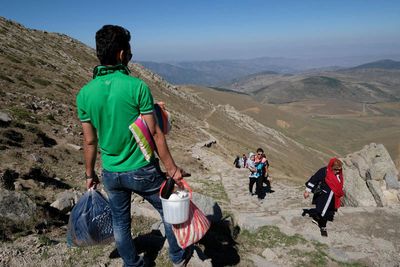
(107, 105)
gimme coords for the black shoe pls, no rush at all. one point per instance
(324, 232)
(305, 211)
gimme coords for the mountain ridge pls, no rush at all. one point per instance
(387, 64)
(224, 71)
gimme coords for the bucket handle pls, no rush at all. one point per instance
(185, 185)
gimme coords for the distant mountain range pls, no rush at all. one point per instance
(377, 81)
(220, 72)
(386, 64)
(214, 73)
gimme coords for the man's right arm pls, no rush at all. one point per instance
(162, 149)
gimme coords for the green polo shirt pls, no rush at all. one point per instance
(111, 102)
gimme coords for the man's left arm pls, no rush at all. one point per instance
(90, 153)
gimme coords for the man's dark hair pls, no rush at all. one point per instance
(110, 40)
(260, 150)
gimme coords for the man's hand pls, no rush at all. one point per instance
(306, 194)
(92, 181)
(178, 175)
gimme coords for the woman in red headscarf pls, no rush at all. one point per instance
(327, 186)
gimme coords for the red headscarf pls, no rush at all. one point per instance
(332, 181)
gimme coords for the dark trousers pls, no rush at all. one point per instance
(267, 183)
(259, 186)
(313, 213)
(252, 181)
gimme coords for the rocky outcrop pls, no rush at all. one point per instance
(16, 206)
(371, 178)
(357, 193)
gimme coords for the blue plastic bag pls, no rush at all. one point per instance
(90, 221)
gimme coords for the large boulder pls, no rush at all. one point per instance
(357, 193)
(66, 200)
(16, 206)
(371, 178)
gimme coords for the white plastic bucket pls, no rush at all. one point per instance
(176, 211)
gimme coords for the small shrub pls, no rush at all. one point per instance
(44, 240)
(41, 62)
(13, 136)
(24, 115)
(21, 78)
(7, 79)
(32, 129)
(8, 179)
(40, 175)
(45, 255)
(29, 85)
(13, 59)
(45, 140)
(50, 117)
(31, 62)
(41, 81)
(61, 86)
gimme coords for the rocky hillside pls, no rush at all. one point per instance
(40, 136)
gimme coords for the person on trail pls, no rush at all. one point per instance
(261, 166)
(236, 162)
(253, 172)
(106, 107)
(243, 161)
(327, 186)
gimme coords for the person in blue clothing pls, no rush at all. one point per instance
(262, 168)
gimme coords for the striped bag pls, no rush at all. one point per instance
(193, 229)
(142, 134)
(143, 137)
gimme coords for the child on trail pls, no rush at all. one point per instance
(253, 172)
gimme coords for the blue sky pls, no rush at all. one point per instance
(204, 30)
